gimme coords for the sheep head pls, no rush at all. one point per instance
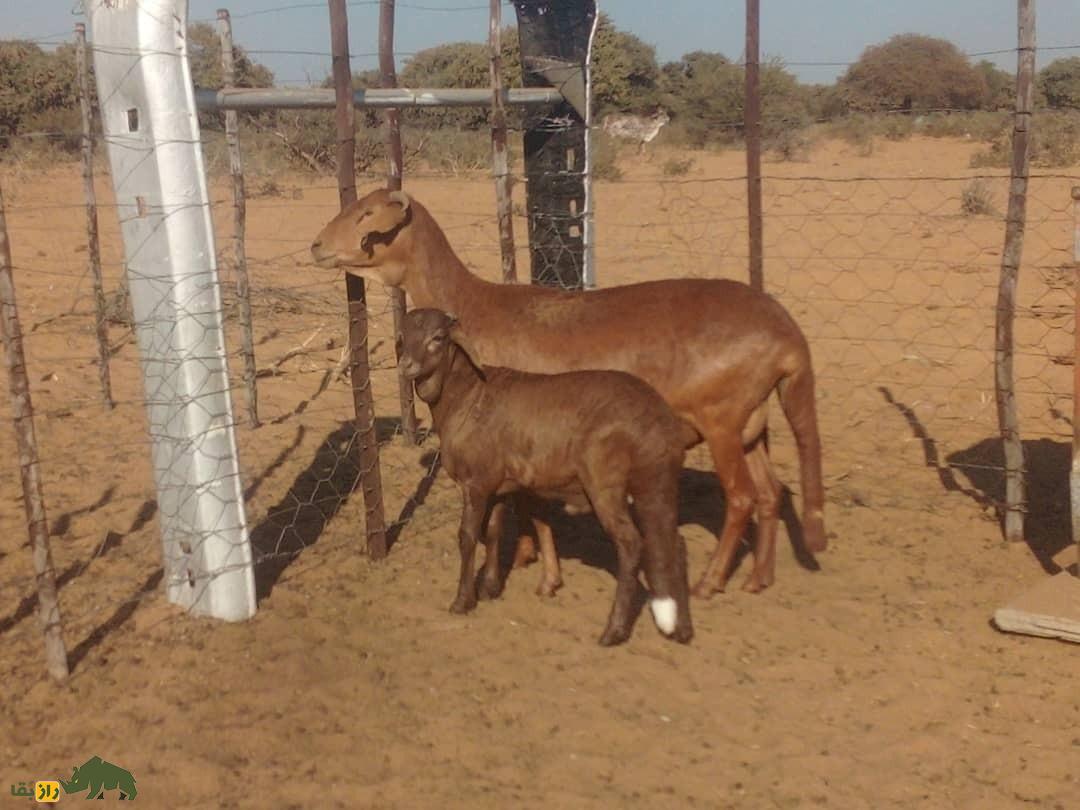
(424, 347)
(367, 237)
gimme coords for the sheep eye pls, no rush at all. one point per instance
(360, 218)
(436, 341)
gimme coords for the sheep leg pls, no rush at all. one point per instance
(526, 543)
(734, 474)
(768, 518)
(610, 507)
(491, 584)
(664, 553)
(551, 580)
(473, 509)
(526, 549)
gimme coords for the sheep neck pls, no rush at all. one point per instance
(461, 392)
(436, 276)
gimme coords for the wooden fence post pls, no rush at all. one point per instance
(752, 133)
(500, 161)
(388, 79)
(1004, 384)
(1074, 474)
(93, 246)
(236, 168)
(360, 376)
(22, 411)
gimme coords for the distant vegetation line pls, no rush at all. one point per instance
(909, 84)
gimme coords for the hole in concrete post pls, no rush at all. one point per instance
(133, 120)
(570, 159)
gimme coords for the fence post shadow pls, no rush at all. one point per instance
(315, 496)
(433, 461)
(1047, 525)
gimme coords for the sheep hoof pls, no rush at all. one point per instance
(548, 589)
(682, 635)
(462, 605)
(705, 589)
(613, 636)
(755, 583)
(490, 588)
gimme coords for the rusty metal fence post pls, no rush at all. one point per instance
(359, 368)
(22, 411)
(752, 133)
(500, 160)
(93, 245)
(1004, 383)
(388, 79)
(236, 169)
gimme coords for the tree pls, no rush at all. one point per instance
(913, 72)
(34, 82)
(624, 70)
(1000, 86)
(204, 53)
(204, 56)
(706, 94)
(459, 64)
(1060, 83)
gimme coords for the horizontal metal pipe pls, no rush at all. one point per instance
(318, 98)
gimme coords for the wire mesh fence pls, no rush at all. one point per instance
(877, 251)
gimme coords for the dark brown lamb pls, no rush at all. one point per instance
(588, 439)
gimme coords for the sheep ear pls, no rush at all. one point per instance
(465, 345)
(401, 198)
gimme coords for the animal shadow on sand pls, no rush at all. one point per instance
(701, 501)
(316, 495)
(1047, 524)
(578, 537)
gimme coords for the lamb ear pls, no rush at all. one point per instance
(457, 335)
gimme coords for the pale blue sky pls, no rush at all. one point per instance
(802, 32)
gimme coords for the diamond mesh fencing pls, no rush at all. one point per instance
(881, 256)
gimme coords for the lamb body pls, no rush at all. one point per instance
(587, 438)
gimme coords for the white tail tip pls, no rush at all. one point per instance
(665, 612)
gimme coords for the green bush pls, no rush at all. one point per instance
(857, 130)
(605, 158)
(706, 95)
(980, 125)
(677, 167)
(896, 127)
(913, 72)
(1055, 142)
(456, 151)
(33, 82)
(1060, 83)
(791, 144)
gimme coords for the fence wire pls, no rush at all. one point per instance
(892, 274)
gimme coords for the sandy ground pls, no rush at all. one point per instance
(870, 677)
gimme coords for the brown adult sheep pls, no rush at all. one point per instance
(714, 349)
(586, 438)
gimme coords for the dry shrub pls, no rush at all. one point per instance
(677, 167)
(1055, 142)
(976, 199)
